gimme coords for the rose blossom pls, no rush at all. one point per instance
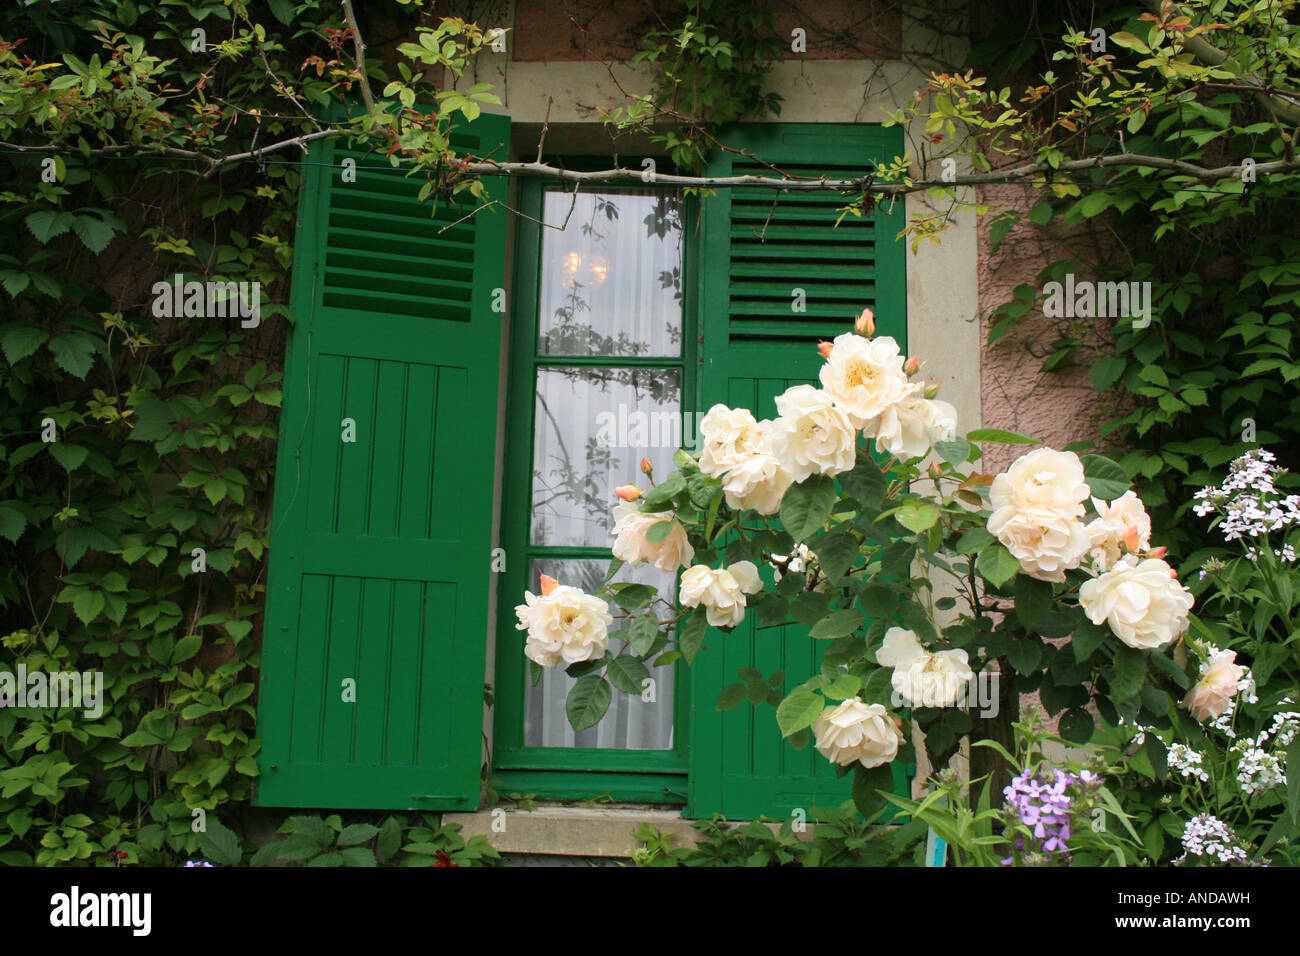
(856, 732)
(721, 591)
(864, 376)
(1212, 694)
(759, 482)
(1037, 504)
(630, 527)
(730, 437)
(1121, 525)
(564, 624)
(1143, 604)
(910, 427)
(923, 678)
(812, 435)
(738, 449)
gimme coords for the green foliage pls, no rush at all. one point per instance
(138, 446)
(839, 837)
(711, 64)
(396, 840)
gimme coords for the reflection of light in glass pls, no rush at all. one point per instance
(597, 269)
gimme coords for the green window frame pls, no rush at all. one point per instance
(570, 772)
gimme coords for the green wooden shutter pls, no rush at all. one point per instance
(380, 548)
(754, 254)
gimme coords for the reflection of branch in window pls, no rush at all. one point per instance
(580, 488)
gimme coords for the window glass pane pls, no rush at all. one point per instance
(631, 723)
(592, 428)
(611, 280)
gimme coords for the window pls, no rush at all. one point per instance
(641, 311)
(599, 379)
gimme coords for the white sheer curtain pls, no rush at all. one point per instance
(610, 288)
(632, 722)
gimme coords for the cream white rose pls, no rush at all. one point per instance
(811, 435)
(909, 428)
(730, 437)
(864, 376)
(631, 545)
(1121, 525)
(1046, 544)
(758, 482)
(566, 625)
(1037, 504)
(720, 591)
(1143, 603)
(1042, 479)
(923, 678)
(1220, 678)
(854, 732)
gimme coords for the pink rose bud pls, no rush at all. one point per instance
(549, 584)
(1132, 540)
(866, 323)
(646, 467)
(628, 492)
(1173, 574)
(1159, 552)
(825, 349)
(935, 471)
(912, 365)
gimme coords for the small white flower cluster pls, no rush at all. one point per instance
(1257, 770)
(1187, 762)
(1248, 499)
(1207, 835)
(1285, 553)
(793, 563)
(1285, 726)
(1141, 736)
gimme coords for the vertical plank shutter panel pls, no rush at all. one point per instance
(380, 547)
(755, 254)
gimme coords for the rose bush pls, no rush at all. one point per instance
(915, 570)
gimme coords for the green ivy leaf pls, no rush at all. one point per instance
(88, 604)
(71, 457)
(75, 353)
(21, 339)
(12, 523)
(219, 844)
